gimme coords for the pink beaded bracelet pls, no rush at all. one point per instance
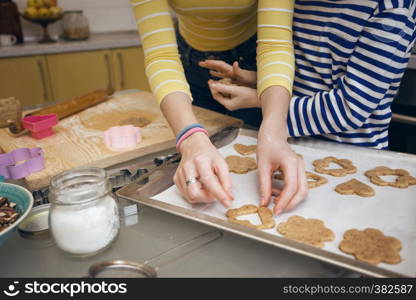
(188, 134)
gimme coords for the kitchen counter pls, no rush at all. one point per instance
(151, 232)
(97, 41)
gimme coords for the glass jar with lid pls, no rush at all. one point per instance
(75, 25)
(84, 216)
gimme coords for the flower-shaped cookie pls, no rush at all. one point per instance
(308, 231)
(347, 167)
(403, 179)
(372, 246)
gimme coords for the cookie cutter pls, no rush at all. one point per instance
(31, 160)
(119, 137)
(40, 126)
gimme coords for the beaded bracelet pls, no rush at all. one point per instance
(188, 134)
(183, 131)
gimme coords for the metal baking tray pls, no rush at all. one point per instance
(391, 210)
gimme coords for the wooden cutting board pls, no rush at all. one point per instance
(78, 140)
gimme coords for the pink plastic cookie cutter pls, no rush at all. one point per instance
(119, 137)
(21, 162)
(40, 126)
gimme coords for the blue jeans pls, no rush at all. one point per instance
(198, 77)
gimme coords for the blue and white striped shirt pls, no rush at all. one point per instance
(350, 58)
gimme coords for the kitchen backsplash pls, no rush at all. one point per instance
(103, 16)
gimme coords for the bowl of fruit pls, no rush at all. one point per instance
(16, 203)
(43, 12)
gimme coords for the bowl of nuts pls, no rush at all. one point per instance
(15, 204)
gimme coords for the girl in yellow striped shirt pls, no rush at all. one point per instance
(226, 30)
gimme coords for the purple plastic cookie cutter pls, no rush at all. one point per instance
(32, 160)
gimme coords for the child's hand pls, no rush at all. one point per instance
(233, 97)
(221, 69)
(274, 153)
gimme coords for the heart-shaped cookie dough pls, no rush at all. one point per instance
(314, 180)
(245, 149)
(240, 165)
(265, 215)
(347, 167)
(403, 180)
(355, 187)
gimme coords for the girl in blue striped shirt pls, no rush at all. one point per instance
(350, 58)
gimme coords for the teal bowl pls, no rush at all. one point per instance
(24, 203)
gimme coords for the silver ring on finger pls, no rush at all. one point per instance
(191, 180)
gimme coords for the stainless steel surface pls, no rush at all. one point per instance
(144, 193)
(150, 266)
(412, 62)
(404, 119)
(156, 232)
(121, 269)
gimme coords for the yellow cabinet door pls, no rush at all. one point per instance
(25, 78)
(129, 69)
(73, 74)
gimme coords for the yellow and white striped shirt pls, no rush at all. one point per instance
(215, 25)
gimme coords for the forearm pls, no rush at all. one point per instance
(177, 109)
(275, 104)
(275, 52)
(163, 66)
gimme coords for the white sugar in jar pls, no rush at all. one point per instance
(83, 218)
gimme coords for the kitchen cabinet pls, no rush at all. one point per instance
(129, 68)
(54, 77)
(73, 74)
(26, 78)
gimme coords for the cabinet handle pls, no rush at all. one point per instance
(43, 79)
(121, 64)
(107, 61)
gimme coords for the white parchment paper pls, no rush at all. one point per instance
(392, 210)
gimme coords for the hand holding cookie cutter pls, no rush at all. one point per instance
(119, 137)
(33, 158)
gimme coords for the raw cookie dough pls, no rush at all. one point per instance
(355, 187)
(403, 180)
(265, 214)
(346, 165)
(240, 165)
(104, 121)
(308, 231)
(245, 149)
(371, 246)
(227, 81)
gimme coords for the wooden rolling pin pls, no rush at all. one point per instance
(62, 109)
(72, 106)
